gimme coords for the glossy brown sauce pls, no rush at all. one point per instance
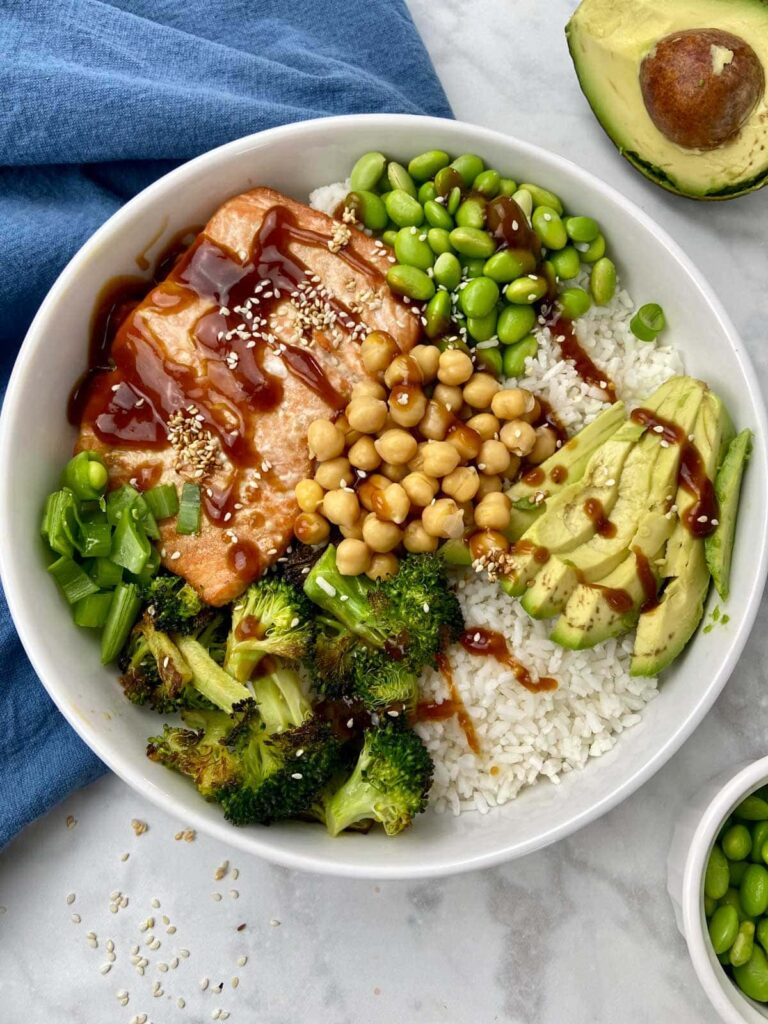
(244, 559)
(692, 477)
(585, 367)
(558, 474)
(647, 581)
(540, 554)
(508, 225)
(617, 599)
(457, 705)
(593, 509)
(534, 477)
(665, 429)
(485, 642)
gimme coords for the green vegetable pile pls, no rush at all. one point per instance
(736, 895)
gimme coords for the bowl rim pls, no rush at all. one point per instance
(259, 843)
(712, 979)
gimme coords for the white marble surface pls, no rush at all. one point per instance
(582, 932)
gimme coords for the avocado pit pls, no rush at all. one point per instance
(700, 86)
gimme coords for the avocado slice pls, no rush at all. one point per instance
(718, 547)
(716, 69)
(529, 494)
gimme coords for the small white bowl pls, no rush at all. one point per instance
(692, 842)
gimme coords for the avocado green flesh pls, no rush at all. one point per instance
(718, 547)
(573, 458)
(608, 40)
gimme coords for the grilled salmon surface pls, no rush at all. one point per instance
(220, 369)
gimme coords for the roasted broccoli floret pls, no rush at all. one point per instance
(331, 658)
(382, 683)
(174, 605)
(155, 672)
(272, 617)
(198, 752)
(390, 783)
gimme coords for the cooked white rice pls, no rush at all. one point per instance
(523, 736)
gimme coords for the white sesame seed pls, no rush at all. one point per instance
(105, 968)
(70, 899)
(216, 896)
(274, 923)
(76, 919)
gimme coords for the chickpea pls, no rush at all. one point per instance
(396, 446)
(443, 518)
(353, 557)
(416, 465)
(485, 424)
(392, 503)
(363, 455)
(511, 403)
(402, 370)
(368, 415)
(382, 567)
(341, 507)
(427, 357)
(311, 528)
(544, 445)
(485, 542)
(394, 473)
(416, 538)
(493, 458)
(368, 389)
(518, 436)
(493, 512)
(440, 458)
(355, 531)
(451, 397)
(468, 511)
(334, 473)
(377, 351)
(454, 367)
(309, 494)
(534, 413)
(480, 389)
(435, 422)
(461, 484)
(513, 468)
(380, 536)
(368, 488)
(466, 441)
(420, 488)
(407, 404)
(488, 485)
(325, 440)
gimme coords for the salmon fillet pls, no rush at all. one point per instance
(222, 367)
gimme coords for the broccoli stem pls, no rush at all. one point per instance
(349, 805)
(343, 597)
(210, 679)
(281, 701)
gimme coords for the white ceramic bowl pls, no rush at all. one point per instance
(692, 842)
(35, 441)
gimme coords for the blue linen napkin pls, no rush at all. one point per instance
(96, 101)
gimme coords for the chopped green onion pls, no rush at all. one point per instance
(74, 582)
(128, 497)
(61, 522)
(92, 611)
(86, 476)
(130, 547)
(149, 570)
(95, 540)
(123, 611)
(189, 510)
(162, 501)
(105, 573)
(648, 322)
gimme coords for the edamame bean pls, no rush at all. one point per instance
(526, 290)
(549, 227)
(573, 302)
(454, 200)
(710, 906)
(736, 843)
(438, 216)
(566, 263)
(471, 214)
(439, 240)
(472, 266)
(716, 875)
(743, 944)
(543, 197)
(410, 281)
(482, 328)
(513, 324)
(489, 359)
(403, 209)
(752, 976)
(507, 187)
(508, 264)
(411, 247)
(447, 270)
(752, 808)
(723, 928)
(390, 236)
(602, 281)
(736, 869)
(753, 891)
(759, 838)
(427, 192)
(473, 242)
(479, 296)
(487, 183)
(582, 229)
(761, 932)
(514, 356)
(438, 314)
(594, 251)
(398, 177)
(367, 172)
(368, 208)
(524, 200)
(731, 899)
(469, 165)
(426, 165)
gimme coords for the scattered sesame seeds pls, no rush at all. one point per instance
(139, 827)
(234, 894)
(70, 899)
(76, 919)
(274, 923)
(105, 968)
(71, 821)
(204, 983)
(216, 896)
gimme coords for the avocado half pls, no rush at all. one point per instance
(679, 63)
